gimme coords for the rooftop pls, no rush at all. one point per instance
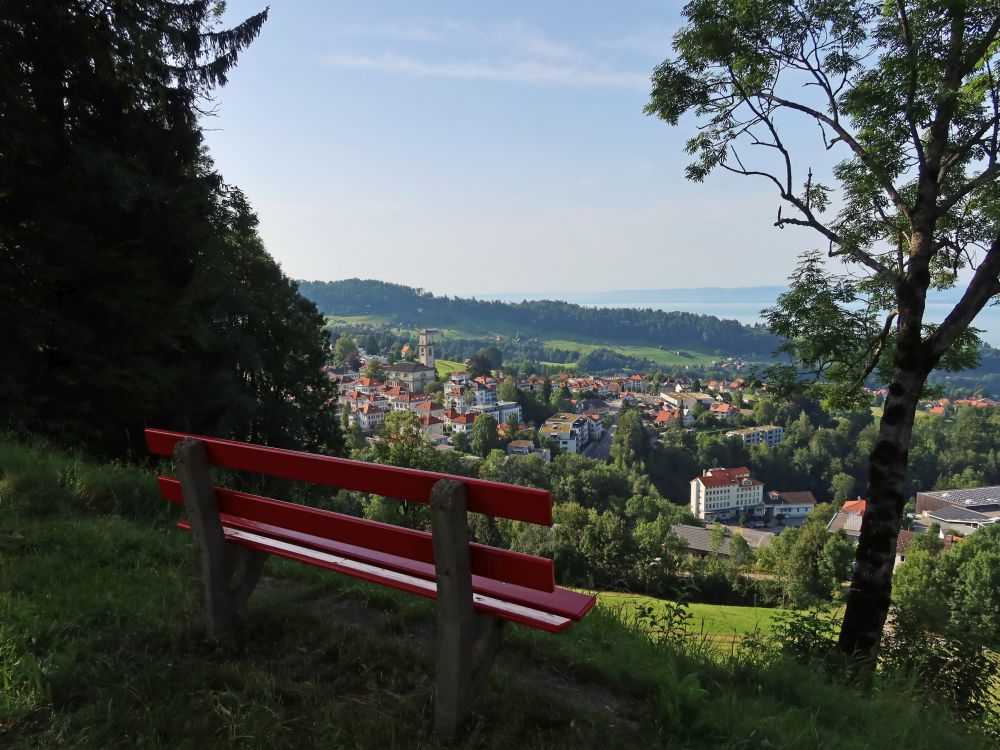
(971, 498)
(958, 514)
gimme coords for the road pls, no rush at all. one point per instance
(600, 450)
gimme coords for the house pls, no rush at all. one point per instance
(461, 422)
(789, 504)
(698, 540)
(501, 411)
(686, 400)
(770, 434)
(527, 448)
(726, 493)
(849, 523)
(723, 410)
(855, 507)
(960, 520)
(429, 407)
(590, 406)
(369, 416)
(902, 546)
(982, 500)
(409, 401)
(410, 376)
(483, 393)
(570, 432)
(431, 425)
(637, 383)
(668, 418)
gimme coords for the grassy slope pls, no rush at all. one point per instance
(446, 367)
(100, 647)
(717, 621)
(566, 341)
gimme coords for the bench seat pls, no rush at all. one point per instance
(506, 601)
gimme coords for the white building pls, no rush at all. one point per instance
(725, 493)
(501, 411)
(570, 432)
(770, 434)
(686, 400)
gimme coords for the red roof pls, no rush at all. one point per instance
(718, 477)
(857, 507)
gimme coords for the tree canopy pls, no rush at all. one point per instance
(905, 92)
(134, 288)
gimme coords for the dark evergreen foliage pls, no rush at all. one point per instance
(134, 289)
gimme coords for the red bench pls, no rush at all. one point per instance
(477, 587)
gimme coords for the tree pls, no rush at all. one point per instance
(460, 441)
(135, 288)
(835, 560)
(510, 427)
(484, 435)
(345, 351)
(906, 92)
(842, 487)
(375, 370)
(508, 389)
(630, 444)
(478, 365)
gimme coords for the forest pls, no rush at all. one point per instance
(624, 325)
(134, 286)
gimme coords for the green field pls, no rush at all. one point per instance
(717, 622)
(446, 367)
(659, 356)
(877, 413)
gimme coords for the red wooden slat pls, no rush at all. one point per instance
(490, 498)
(493, 606)
(312, 527)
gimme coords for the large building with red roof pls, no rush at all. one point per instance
(720, 494)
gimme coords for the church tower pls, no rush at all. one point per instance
(426, 347)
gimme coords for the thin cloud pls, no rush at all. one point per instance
(527, 71)
(512, 51)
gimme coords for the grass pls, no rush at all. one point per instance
(445, 367)
(878, 410)
(660, 356)
(101, 647)
(569, 342)
(718, 622)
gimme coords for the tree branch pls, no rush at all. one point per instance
(984, 285)
(849, 139)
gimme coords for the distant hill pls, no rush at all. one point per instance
(539, 317)
(761, 294)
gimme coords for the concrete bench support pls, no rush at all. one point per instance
(467, 642)
(229, 573)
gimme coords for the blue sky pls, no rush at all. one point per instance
(472, 147)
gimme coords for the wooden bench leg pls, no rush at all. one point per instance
(229, 573)
(467, 642)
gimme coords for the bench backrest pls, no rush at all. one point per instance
(489, 498)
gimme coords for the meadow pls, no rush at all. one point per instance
(101, 646)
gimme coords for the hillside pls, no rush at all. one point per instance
(544, 318)
(100, 648)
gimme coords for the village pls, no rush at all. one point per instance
(729, 498)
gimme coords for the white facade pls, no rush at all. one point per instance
(725, 493)
(769, 433)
